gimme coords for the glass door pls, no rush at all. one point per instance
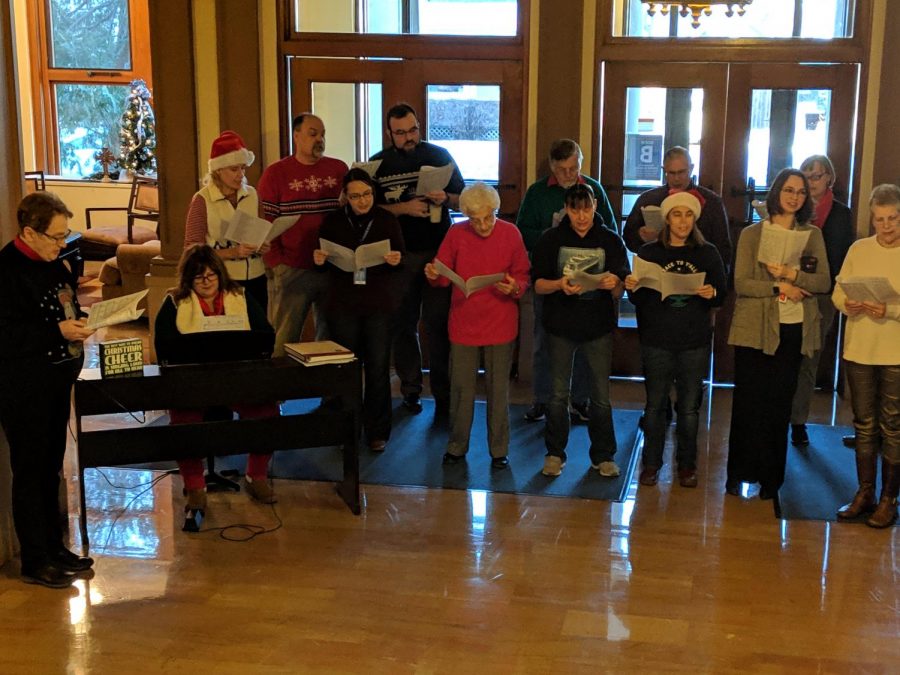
(472, 108)
(742, 124)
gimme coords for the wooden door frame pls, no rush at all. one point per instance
(620, 76)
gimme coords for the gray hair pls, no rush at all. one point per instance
(885, 194)
(563, 148)
(478, 197)
(677, 151)
(810, 162)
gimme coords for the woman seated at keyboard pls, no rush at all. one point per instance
(207, 317)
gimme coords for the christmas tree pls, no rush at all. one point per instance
(137, 132)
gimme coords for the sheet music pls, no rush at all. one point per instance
(470, 285)
(212, 324)
(117, 310)
(651, 275)
(247, 229)
(653, 217)
(589, 282)
(868, 289)
(369, 167)
(348, 260)
(780, 246)
(432, 178)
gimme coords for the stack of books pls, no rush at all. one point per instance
(318, 353)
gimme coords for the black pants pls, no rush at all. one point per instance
(369, 338)
(764, 388)
(34, 411)
(421, 299)
(258, 289)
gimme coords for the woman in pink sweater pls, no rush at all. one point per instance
(484, 319)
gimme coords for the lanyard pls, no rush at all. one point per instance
(353, 227)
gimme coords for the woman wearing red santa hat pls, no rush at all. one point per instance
(225, 191)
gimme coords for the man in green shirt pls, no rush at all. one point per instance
(542, 208)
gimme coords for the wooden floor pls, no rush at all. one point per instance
(445, 581)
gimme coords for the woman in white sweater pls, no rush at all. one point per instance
(872, 356)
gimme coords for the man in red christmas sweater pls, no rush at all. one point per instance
(307, 185)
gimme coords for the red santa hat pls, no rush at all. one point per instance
(229, 150)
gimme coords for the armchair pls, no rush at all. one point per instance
(100, 243)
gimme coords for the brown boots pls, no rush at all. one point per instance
(886, 512)
(864, 500)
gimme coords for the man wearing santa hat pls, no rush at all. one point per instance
(307, 185)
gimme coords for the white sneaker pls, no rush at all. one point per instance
(553, 466)
(608, 469)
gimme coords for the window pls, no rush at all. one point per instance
(421, 17)
(84, 54)
(817, 19)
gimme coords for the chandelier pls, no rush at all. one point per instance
(695, 9)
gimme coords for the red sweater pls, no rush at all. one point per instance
(487, 317)
(308, 191)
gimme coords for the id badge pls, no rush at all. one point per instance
(359, 277)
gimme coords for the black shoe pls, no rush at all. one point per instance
(849, 441)
(450, 458)
(412, 403)
(499, 462)
(536, 413)
(799, 437)
(733, 487)
(48, 575)
(70, 562)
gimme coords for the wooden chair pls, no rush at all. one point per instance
(34, 182)
(100, 243)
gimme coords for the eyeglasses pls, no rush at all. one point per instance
(59, 239)
(412, 131)
(791, 191)
(207, 278)
(815, 177)
(680, 172)
(356, 196)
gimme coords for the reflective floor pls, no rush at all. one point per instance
(436, 581)
(429, 581)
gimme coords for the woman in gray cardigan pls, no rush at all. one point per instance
(775, 323)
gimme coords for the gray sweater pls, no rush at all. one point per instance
(756, 316)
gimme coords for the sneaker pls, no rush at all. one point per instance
(580, 413)
(536, 413)
(260, 490)
(608, 469)
(412, 403)
(553, 466)
(649, 476)
(799, 437)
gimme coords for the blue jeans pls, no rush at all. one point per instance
(581, 381)
(598, 354)
(662, 368)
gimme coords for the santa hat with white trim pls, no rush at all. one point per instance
(229, 150)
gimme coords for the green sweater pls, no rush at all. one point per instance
(542, 201)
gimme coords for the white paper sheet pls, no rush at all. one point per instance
(213, 324)
(653, 217)
(779, 246)
(651, 275)
(868, 289)
(471, 284)
(432, 178)
(369, 167)
(348, 260)
(252, 231)
(589, 282)
(117, 310)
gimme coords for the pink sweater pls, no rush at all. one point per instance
(486, 317)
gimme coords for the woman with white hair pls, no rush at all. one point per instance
(486, 322)
(675, 334)
(872, 357)
(225, 191)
